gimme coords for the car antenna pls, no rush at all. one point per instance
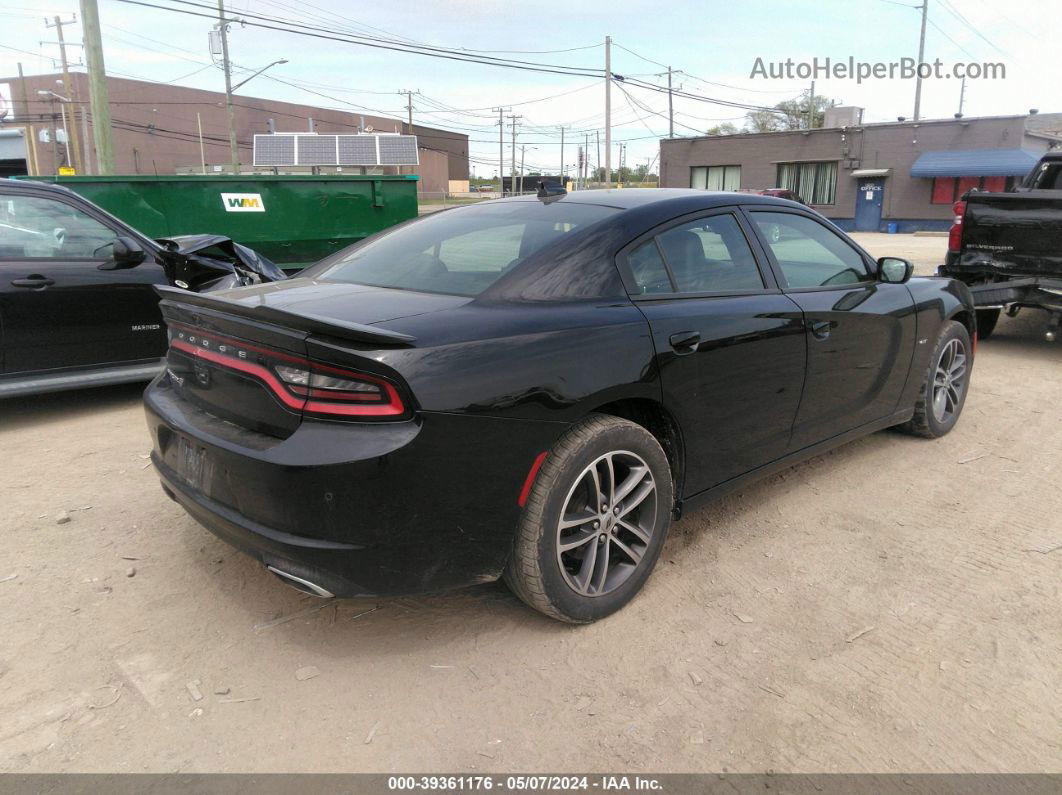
(550, 192)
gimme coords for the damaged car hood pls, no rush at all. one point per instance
(203, 263)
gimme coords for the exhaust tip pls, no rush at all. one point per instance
(300, 583)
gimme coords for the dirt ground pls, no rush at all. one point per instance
(892, 606)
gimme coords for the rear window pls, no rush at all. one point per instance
(461, 252)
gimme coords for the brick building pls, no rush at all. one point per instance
(868, 176)
(156, 130)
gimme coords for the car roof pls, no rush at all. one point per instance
(631, 198)
(32, 184)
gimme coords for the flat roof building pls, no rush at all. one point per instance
(156, 130)
(869, 176)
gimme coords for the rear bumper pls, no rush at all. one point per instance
(356, 508)
(1006, 289)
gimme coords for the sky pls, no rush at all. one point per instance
(714, 44)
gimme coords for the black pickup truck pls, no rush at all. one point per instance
(1007, 247)
(77, 289)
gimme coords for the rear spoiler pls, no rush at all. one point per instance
(300, 321)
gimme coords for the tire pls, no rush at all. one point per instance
(564, 582)
(986, 322)
(929, 420)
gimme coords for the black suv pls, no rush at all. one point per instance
(77, 300)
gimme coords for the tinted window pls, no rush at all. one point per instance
(31, 226)
(648, 268)
(710, 255)
(809, 254)
(460, 252)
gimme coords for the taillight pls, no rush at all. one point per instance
(955, 233)
(298, 383)
(329, 390)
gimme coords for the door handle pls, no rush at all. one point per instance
(684, 342)
(820, 329)
(33, 281)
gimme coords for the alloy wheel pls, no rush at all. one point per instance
(949, 380)
(607, 523)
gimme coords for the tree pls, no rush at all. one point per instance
(763, 121)
(726, 128)
(789, 114)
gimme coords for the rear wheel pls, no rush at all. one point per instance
(986, 322)
(946, 383)
(594, 522)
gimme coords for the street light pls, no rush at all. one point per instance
(523, 156)
(43, 92)
(252, 77)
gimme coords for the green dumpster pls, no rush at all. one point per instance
(293, 220)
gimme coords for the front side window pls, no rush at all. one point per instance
(815, 182)
(808, 253)
(35, 227)
(459, 252)
(715, 177)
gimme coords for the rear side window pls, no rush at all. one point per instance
(460, 252)
(648, 268)
(711, 255)
(809, 254)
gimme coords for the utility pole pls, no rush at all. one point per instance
(501, 148)
(597, 161)
(586, 157)
(811, 106)
(223, 31)
(562, 172)
(670, 108)
(99, 98)
(31, 143)
(921, 56)
(55, 137)
(409, 109)
(68, 90)
(512, 174)
(523, 159)
(608, 111)
(409, 116)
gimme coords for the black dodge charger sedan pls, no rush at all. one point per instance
(534, 388)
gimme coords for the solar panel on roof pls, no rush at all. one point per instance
(357, 150)
(398, 150)
(274, 150)
(316, 150)
(310, 149)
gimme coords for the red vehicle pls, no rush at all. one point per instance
(783, 193)
(774, 233)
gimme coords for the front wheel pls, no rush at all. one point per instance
(594, 522)
(946, 383)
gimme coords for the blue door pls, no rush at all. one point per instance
(868, 204)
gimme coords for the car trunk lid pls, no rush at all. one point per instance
(265, 367)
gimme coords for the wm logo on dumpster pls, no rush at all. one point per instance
(243, 202)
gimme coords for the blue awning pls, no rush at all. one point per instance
(975, 163)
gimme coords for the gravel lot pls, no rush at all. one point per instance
(893, 605)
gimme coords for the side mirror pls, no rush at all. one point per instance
(893, 270)
(125, 253)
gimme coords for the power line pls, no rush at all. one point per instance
(291, 26)
(947, 6)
